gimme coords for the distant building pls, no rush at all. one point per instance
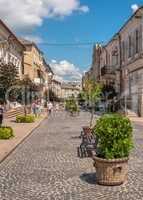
(56, 88)
(70, 89)
(11, 49)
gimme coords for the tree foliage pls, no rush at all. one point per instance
(92, 94)
(71, 105)
(114, 136)
(8, 75)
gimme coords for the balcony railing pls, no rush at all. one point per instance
(39, 81)
(107, 71)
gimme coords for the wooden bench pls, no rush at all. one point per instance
(88, 143)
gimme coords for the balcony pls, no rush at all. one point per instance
(107, 71)
(39, 81)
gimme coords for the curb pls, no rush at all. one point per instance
(20, 142)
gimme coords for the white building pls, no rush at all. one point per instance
(11, 49)
(70, 89)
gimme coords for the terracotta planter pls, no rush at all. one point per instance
(111, 172)
(86, 130)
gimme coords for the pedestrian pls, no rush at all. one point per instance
(1, 114)
(57, 107)
(50, 107)
(34, 108)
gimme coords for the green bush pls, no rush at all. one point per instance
(71, 105)
(6, 133)
(114, 136)
(25, 119)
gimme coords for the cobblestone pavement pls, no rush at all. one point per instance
(46, 167)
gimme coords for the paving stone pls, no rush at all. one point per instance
(46, 167)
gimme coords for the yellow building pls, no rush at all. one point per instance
(33, 62)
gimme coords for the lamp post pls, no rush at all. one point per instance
(49, 84)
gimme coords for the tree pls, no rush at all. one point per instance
(27, 87)
(81, 98)
(92, 94)
(8, 77)
(71, 105)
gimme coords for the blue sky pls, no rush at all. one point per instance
(98, 25)
(85, 21)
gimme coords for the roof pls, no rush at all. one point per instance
(124, 25)
(70, 86)
(29, 43)
(56, 81)
(11, 33)
(47, 66)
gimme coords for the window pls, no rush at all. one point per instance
(123, 51)
(115, 56)
(137, 41)
(130, 47)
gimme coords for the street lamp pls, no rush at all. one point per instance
(49, 84)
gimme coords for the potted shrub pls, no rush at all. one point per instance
(114, 143)
(71, 106)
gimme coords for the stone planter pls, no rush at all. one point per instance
(111, 172)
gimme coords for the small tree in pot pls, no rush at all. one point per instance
(71, 106)
(92, 93)
(114, 143)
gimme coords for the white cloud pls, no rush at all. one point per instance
(33, 38)
(58, 78)
(26, 14)
(84, 9)
(65, 70)
(134, 7)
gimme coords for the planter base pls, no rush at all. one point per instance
(111, 172)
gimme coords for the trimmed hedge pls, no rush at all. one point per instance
(114, 136)
(6, 133)
(25, 119)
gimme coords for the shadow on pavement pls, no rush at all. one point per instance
(76, 137)
(89, 178)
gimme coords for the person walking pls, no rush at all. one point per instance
(1, 114)
(50, 107)
(57, 107)
(34, 109)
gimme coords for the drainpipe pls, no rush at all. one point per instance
(120, 63)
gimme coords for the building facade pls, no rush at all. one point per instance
(120, 63)
(11, 49)
(36, 67)
(56, 88)
(33, 62)
(70, 89)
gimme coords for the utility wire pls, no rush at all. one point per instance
(68, 44)
(61, 44)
